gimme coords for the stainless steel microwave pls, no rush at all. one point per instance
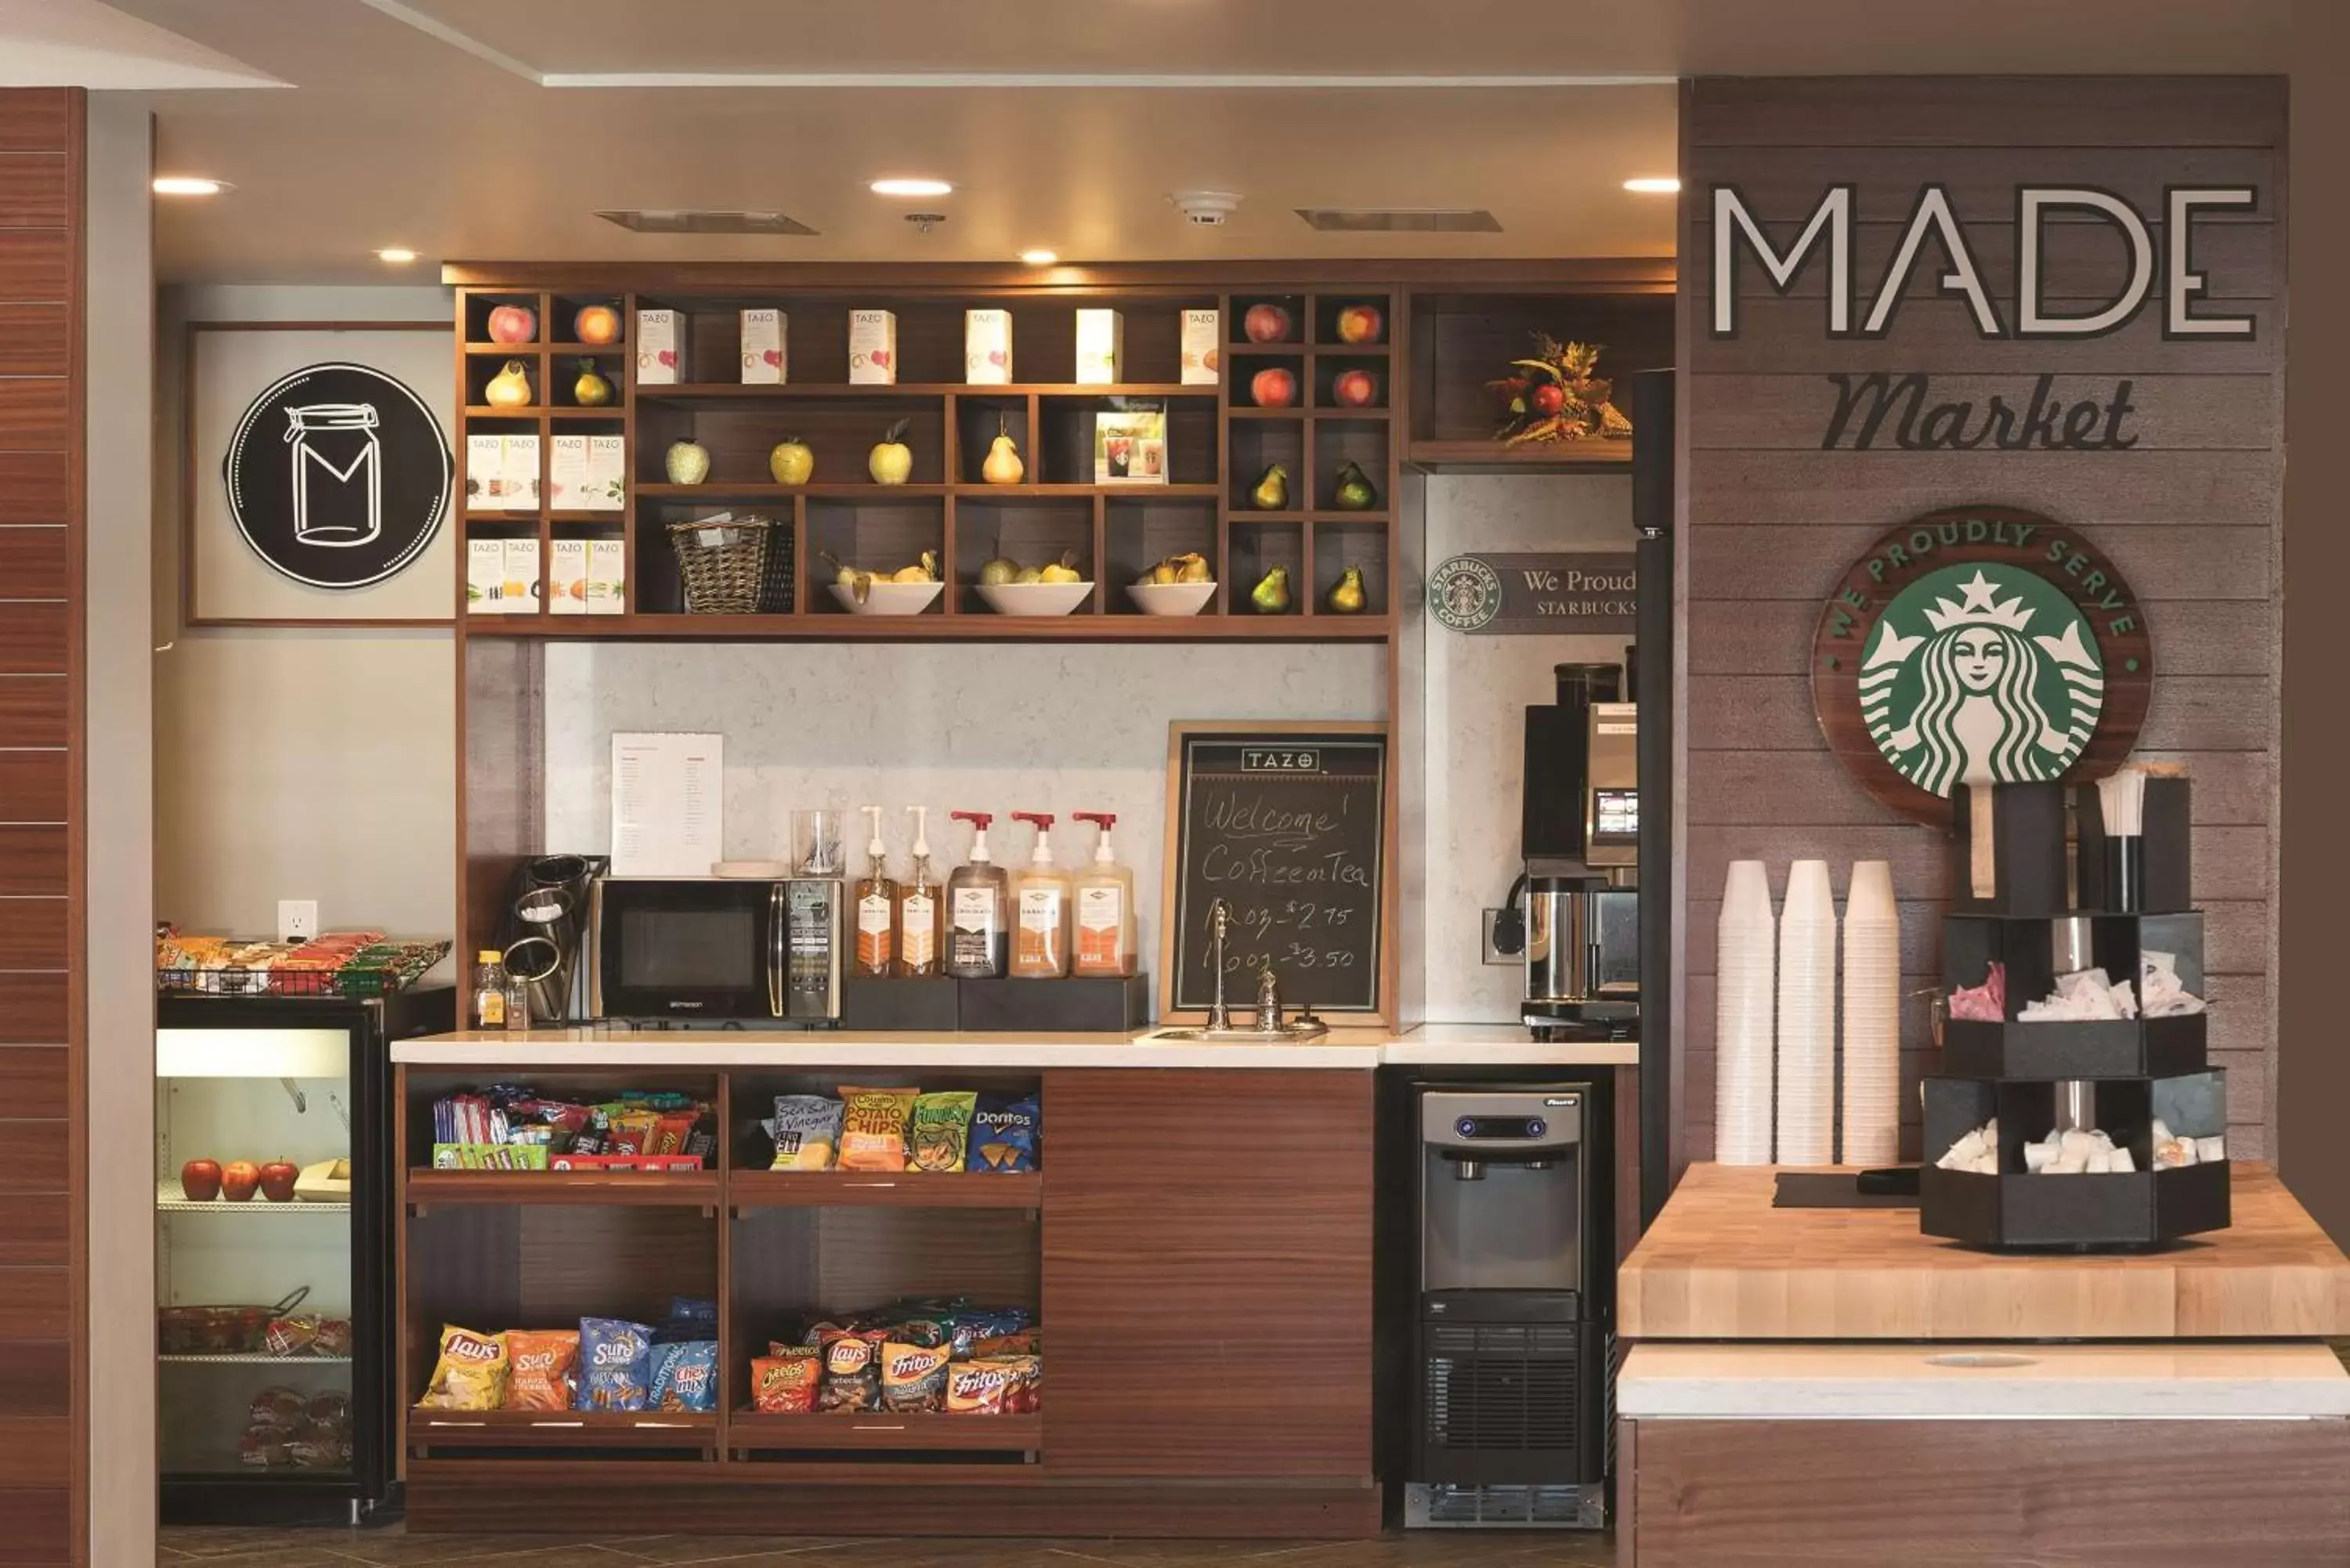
(716, 951)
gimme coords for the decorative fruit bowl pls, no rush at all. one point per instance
(887, 599)
(1035, 598)
(1170, 599)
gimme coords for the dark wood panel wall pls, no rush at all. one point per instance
(2191, 515)
(43, 1430)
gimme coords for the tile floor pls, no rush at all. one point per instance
(247, 1548)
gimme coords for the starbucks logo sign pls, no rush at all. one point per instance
(1979, 646)
(1464, 593)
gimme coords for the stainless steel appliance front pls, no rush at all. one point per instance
(716, 951)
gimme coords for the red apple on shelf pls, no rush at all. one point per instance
(1266, 323)
(1360, 324)
(596, 324)
(1355, 388)
(1547, 398)
(239, 1179)
(200, 1180)
(1272, 389)
(277, 1179)
(513, 323)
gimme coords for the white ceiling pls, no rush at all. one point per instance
(495, 128)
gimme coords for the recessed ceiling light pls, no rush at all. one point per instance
(1040, 258)
(912, 188)
(1653, 184)
(188, 185)
(398, 255)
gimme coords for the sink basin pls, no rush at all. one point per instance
(1288, 1033)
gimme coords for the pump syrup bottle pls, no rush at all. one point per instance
(877, 906)
(918, 907)
(977, 908)
(1104, 899)
(1040, 908)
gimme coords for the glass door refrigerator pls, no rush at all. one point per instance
(274, 1266)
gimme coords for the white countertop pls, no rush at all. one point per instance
(2014, 1381)
(1495, 1044)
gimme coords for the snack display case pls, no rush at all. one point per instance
(273, 1252)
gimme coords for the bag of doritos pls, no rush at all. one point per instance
(1007, 1133)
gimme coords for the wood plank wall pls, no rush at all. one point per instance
(2192, 516)
(43, 1309)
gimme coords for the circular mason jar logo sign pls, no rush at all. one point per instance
(338, 476)
(1464, 593)
(1979, 646)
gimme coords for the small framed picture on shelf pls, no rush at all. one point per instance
(1130, 441)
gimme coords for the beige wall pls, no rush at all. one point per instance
(294, 763)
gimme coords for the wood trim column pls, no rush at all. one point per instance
(43, 1367)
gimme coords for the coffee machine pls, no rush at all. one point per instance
(1574, 915)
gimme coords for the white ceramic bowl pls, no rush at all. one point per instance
(1035, 598)
(1170, 599)
(887, 599)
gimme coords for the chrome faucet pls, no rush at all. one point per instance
(1219, 920)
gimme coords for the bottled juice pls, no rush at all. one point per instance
(918, 908)
(1102, 895)
(977, 903)
(1040, 908)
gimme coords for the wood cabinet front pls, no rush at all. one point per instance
(1207, 1273)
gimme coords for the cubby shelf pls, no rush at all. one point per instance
(686, 1189)
(1596, 452)
(858, 1190)
(694, 391)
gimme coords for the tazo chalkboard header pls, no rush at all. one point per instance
(1287, 825)
(1739, 239)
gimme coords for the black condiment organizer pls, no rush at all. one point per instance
(1080, 1004)
(2016, 1071)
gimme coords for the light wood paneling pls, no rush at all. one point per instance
(33, 710)
(33, 933)
(38, 119)
(33, 1009)
(33, 862)
(33, 1084)
(34, 340)
(36, 265)
(2045, 114)
(34, 190)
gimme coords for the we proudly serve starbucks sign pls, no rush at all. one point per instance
(1979, 645)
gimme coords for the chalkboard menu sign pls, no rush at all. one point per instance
(1287, 826)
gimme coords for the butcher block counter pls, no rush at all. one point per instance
(1828, 1385)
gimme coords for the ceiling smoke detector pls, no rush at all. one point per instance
(1206, 209)
(682, 221)
(925, 221)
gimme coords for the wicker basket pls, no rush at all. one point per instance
(724, 563)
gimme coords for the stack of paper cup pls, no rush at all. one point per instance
(1745, 971)
(1872, 1018)
(1807, 996)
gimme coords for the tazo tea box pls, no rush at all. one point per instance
(987, 347)
(607, 472)
(520, 585)
(566, 578)
(608, 569)
(764, 364)
(500, 472)
(659, 361)
(1203, 340)
(872, 348)
(1101, 346)
(567, 472)
(485, 577)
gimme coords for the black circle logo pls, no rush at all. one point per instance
(338, 476)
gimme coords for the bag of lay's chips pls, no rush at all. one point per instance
(471, 1374)
(615, 1363)
(873, 1128)
(939, 1132)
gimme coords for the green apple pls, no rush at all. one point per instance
(791, 462)
(687, 462)
(891, 460)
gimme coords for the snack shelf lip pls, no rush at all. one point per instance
(426, 1187)
(170, 1198)
(828, 626)
(249, 1358)
(572, 1429)
(912, 1189)
(919, 1431)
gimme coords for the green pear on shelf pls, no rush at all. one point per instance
(1346, 598)
(1272, 491)
(1271, 596)
(1354, 491)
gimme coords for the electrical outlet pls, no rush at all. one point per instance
(298, 919)
(1492, 953)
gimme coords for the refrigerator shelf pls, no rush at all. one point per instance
(172, 1199)
(254, 1358)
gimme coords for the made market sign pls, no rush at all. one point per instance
(1979, 645)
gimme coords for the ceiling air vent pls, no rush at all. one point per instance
(1401, 220)
(681, 221)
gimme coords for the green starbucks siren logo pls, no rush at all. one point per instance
(1464, 594)
(1979, 645)
(1980, 674)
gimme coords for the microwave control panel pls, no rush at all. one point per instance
(812, 927)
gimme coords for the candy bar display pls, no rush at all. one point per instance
(605, 1363)
(337, 963)
(904, 1129)
(913, 1357)
(512, 1127)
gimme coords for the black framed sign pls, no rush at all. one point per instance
(338, 475)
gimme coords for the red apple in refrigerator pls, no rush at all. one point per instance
(239, 1180)
(513, 323)
(1355, 388)
(1266, 323)
(1360, 324)
(277, 1179)
(200, 1180)
(1272, 389)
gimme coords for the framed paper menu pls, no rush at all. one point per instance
(669, 798)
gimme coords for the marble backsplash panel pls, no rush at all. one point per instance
(995, 728)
